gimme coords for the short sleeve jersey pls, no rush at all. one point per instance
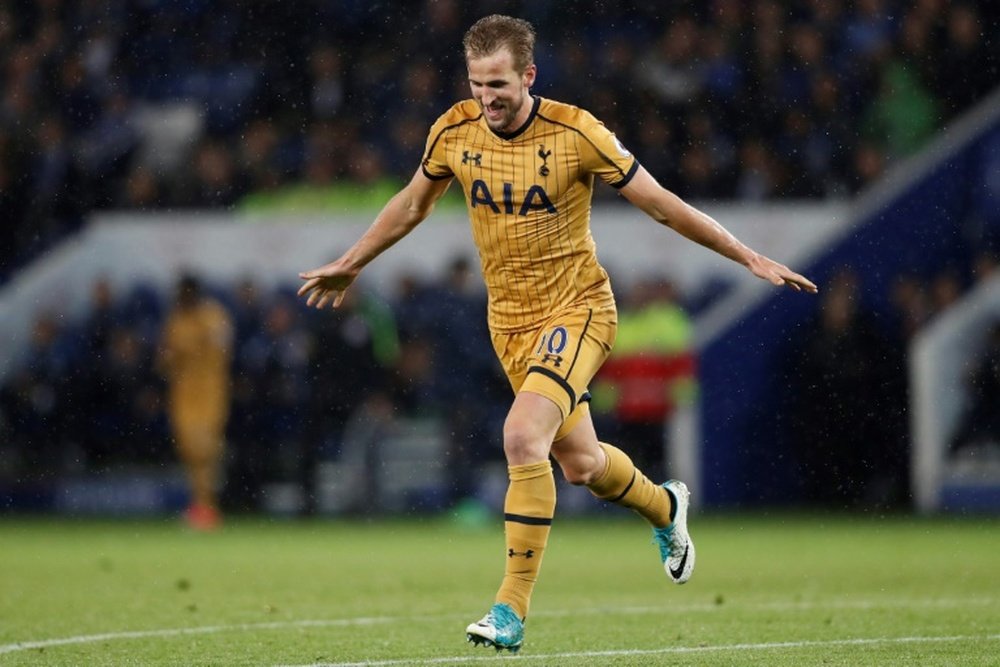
(199, 341)
(529, 199)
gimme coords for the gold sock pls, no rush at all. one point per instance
(528, 511)
(624, 484)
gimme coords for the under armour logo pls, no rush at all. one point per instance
(527, 554)
(554, 359)
(466, 156)
(544, 154)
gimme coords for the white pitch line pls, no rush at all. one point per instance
(347, 622)
(672, 650)
(801, 605)
(175, 632)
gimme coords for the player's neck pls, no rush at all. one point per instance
(523, 119)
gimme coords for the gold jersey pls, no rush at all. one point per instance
(197, 342)
(529, 195)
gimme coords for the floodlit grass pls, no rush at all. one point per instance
(780, 590)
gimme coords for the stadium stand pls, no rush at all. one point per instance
(918, 241)
(261, 109)
(953, 377)
(105, 105)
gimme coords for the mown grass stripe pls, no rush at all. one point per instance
(670, 650)
(551, 613)
(176, 632)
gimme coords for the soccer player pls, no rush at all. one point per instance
(527, 167)
(195, 354)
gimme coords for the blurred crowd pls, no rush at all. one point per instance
(979, 424)
(91, 398)
(315, 386)
(846, 380)
(307, 386)
(263, 106)
(319, 106)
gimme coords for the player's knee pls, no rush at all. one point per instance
(573, 475)
(579, 470)
(580, 457)
(578, 477)
(524, 443)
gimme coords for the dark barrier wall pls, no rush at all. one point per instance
(938, 222)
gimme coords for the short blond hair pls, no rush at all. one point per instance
(491, 33)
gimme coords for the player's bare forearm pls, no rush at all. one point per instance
(408, 208)
(328, 283)
(668, 209)
(701, 228)
(397, 219)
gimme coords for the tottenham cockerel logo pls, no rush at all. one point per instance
(544, 154)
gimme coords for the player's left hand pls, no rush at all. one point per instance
(778, 274)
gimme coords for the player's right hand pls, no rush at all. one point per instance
(327, 284)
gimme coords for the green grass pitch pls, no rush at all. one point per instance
(767, 590)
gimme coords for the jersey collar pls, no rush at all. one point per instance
(510, 135)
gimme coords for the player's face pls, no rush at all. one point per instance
(501, 91)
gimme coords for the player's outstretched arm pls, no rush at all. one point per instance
(668, 209)
(408, 208)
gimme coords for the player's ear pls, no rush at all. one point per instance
(528, 77)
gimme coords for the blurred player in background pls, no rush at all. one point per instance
(195, 358)
(527, 167)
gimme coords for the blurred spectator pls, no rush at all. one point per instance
(846, 408)
(411, 385)
(354, 347)
(452, 323)
(651, 369)
(248, 311)
(705, 181)
(250, 462)
(101, 317)
(274, 365)
(804, 151)
(324, 188)
(142, 191)
(661, 163)
(830, 142)
(946, 289)
(52, 167)
(327, 70)
(911, 304)
(124, 422)
(759, 178)
(980, 424)
(984, 266)
(259, 156)
(195, 357)
(671, 69)
(869, 28)
(214, 182)
(37, 406)
(868, 164)
(14, 201)
(968, 71)
(106, 146)
(903, 116)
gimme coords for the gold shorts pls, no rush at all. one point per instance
(198, 414)
(559, 358)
